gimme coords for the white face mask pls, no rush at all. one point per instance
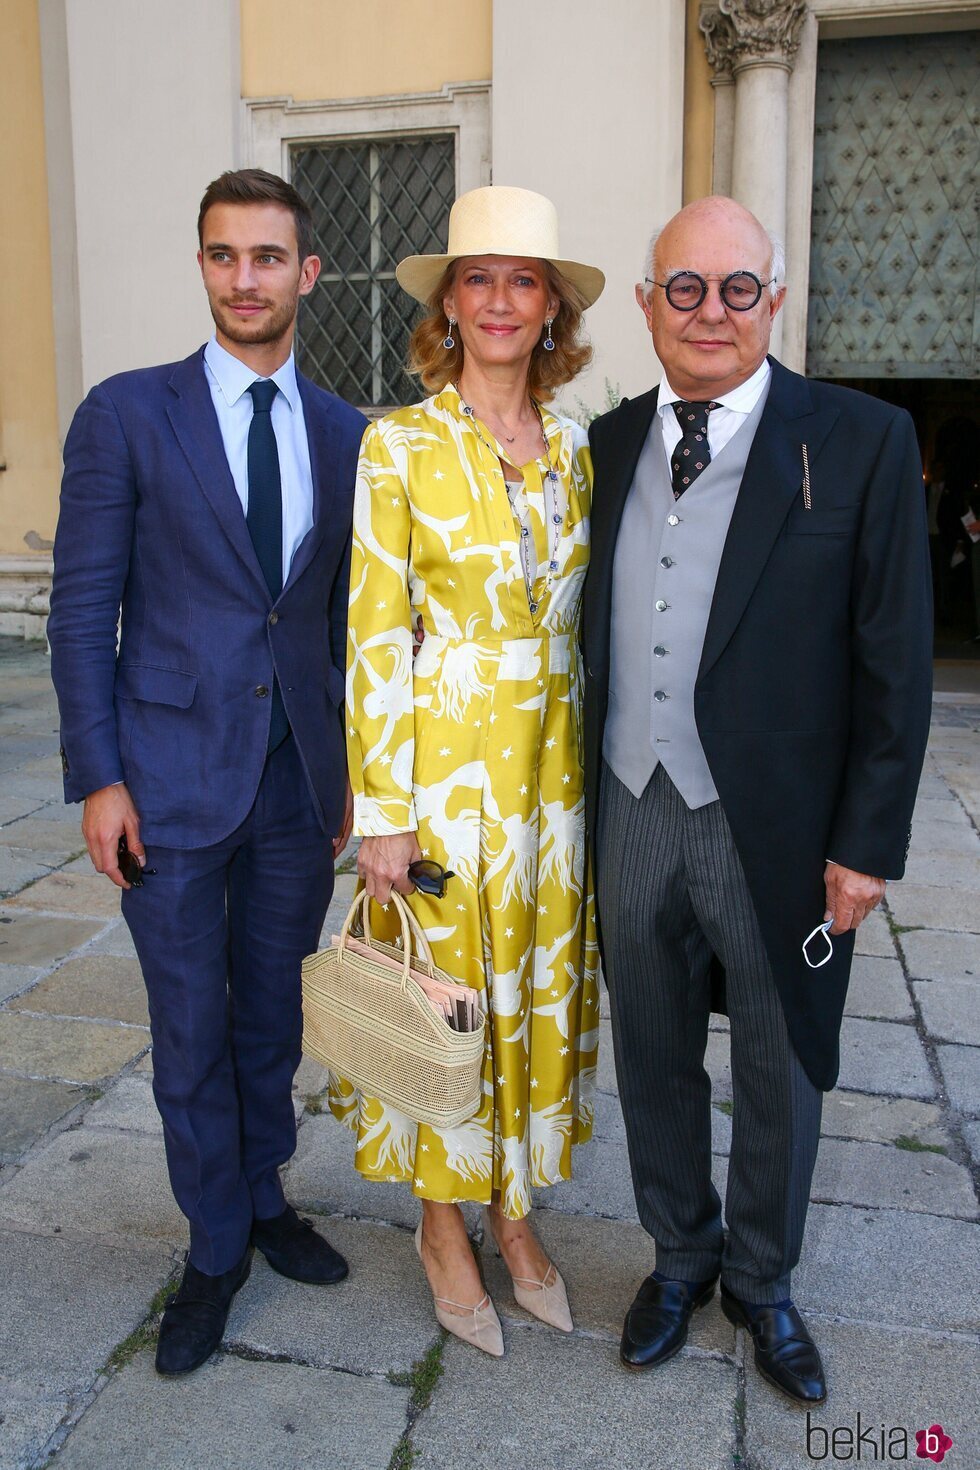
(823, 929)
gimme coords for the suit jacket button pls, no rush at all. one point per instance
(273, 619)
(262, 691)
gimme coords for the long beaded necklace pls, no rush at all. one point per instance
(557, 516)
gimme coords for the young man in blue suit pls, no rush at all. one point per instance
(210, 500)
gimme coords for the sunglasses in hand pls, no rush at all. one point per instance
(129, 865)
(429, 877)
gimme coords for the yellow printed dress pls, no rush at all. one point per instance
(479, 748)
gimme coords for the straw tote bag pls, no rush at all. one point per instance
(369, 1020)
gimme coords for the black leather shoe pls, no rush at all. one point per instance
(785, 1353)
(195, 1316)
(656, 1323)
(293, 1248)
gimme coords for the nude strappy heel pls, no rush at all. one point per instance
(546, 1300)
(479, 1325)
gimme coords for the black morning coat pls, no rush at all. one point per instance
(813, 695)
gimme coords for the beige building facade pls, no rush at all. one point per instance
(117, 114)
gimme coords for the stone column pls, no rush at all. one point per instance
(766, 37)
(719, 39)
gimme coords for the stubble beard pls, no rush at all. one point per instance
(269, 329)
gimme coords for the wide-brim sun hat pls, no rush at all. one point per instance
(499, 220)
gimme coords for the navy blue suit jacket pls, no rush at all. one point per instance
(151, 521)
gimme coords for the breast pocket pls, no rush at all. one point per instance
(835, 520)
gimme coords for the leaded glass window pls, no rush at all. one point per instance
(373, 202)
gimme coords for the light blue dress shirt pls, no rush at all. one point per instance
(229, 380)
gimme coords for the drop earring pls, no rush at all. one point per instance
(549, 342)
(449, 341)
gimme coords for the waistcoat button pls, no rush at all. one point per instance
(660, 650)
(673, 520)
(659, 696)
(661, 606)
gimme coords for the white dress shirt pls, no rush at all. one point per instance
(724, 421)
(229, 380)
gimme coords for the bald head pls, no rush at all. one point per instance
(711, 349)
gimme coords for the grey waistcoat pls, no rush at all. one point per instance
(667, 558)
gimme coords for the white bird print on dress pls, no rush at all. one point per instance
(562, 857)
(460, 834)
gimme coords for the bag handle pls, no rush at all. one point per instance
(411, 930)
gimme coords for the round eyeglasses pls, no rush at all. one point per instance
(685, 290)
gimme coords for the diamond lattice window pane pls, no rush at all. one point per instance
(894, 263)
(373, 202)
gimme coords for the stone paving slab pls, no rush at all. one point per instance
(40, 832)
(128, 1105)
(874, 937)
(971, 1135)
(932, 835)
(90, 894)
(117, 940)
(28, 1108)
(14, 978)
(918, 907)
(881, 1119)
(20, 866)
(379, 1320)
(880, 1174)
(100, 1182)
(943, 809)
(878, 990)
(946, 870)
(934, 956)
(950, 1009)
(883, 1057)
(605, 1076)
(29, 939)
(28, 1417)
(237, 1415)
(894, 1381)
(104, 986)
(74, 1051)
(960, 1066)
(889, 1266)
(68, 1302)
(603, 1263)
(599, 1416)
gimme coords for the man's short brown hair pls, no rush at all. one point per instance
(255, 186)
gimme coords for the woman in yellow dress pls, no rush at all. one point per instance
(472, 512)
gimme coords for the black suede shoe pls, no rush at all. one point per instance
(656, 1323)
(293, 1248)
(785, 1353)
(195, 1316)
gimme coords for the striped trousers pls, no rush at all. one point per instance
(671, 890)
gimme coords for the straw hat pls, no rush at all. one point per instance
(498, 221)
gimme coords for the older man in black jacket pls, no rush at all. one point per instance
(758, 656)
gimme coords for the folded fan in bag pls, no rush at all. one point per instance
(373, 1024)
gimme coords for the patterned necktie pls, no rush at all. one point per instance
(264, 518)
(692, 454)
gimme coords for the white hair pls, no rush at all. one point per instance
(777, 263)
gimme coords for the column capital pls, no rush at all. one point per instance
(719, 40)
(744, 33)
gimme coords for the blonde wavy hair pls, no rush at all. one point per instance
(436, 365)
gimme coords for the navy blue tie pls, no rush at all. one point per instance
(264, 518)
